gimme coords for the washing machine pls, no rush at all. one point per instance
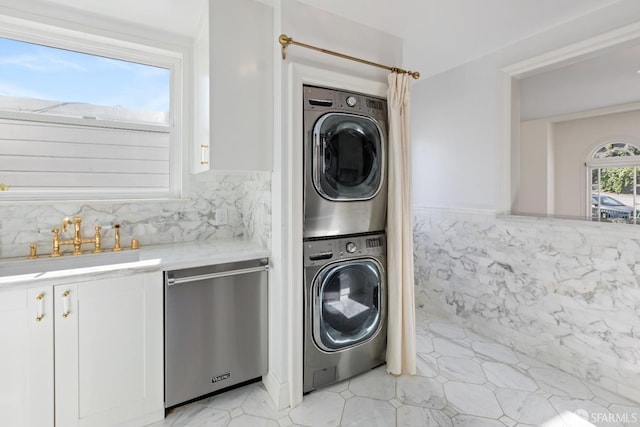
(345, 300)
(345, 150)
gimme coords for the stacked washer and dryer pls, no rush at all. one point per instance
(345, 203)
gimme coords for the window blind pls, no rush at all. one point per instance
(63, 160)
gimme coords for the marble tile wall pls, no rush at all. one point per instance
(246, 197)
(256, 207)
(565, 292)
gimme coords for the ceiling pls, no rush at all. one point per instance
(438, 34)
(601, 81)
(177, 16)
(441, 34)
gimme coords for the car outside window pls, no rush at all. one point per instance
(614, 170)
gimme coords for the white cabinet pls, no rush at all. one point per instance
(242, 46)
(239, 44)
(26, 357)
(107, 357)
(201, 144)
(108, 351)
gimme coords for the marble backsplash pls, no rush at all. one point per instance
(246, 197)
(565, 292)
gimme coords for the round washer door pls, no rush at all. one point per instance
(348, 157)
(348, 305)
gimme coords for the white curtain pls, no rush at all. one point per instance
(401, 325)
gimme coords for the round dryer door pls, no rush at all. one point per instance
(348, 160)
(348, 305)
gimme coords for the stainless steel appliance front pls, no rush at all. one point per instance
(345, 190)
(345, 329)
(215, 328)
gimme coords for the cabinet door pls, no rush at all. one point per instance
(109, 351)
(26, 357)
(241, 85)
(201, 117)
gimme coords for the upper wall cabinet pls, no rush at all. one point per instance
(241, 49)
(201, 144)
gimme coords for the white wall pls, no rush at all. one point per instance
(534, 158)
(313, 26)
(455, 128)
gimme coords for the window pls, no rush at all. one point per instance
(84, 117)
(614, 170)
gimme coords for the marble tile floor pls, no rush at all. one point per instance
(464, 380)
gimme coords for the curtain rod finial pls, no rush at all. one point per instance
(285, 41)
(414, 74)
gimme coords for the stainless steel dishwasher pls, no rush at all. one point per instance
(215, 328)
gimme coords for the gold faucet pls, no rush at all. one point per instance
(77, 240)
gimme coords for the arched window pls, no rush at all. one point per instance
(614, 171)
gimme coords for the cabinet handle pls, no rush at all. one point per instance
(39, 307)
(204, 154)
(65, 304)
(173, 281)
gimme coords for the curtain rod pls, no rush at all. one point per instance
(285, 41)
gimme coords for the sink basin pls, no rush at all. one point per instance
(45, 264)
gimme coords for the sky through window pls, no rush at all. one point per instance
(44, 73)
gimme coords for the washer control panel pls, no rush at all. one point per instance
(323, 251)
(327, 99)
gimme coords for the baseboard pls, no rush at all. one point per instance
(279, 392)
(155, 416)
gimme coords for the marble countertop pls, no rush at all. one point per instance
(68, 268)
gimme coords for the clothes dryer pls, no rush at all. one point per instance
(345, 301)
(345, 149)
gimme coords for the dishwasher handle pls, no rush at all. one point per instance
(173, 281)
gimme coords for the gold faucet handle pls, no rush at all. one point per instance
(33, 251)
(56, 242)
(116, 238)
(98, 240)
